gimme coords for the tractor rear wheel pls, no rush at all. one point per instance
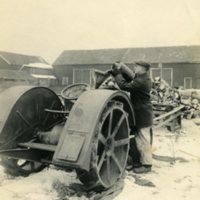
(24, 115)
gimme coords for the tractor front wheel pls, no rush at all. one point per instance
(110, 148)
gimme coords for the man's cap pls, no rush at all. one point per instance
(143, 64)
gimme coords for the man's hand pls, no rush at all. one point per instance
(117, 66)
(115, 69)
(112, 72)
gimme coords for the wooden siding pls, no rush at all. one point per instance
(3, 64)
(185, 70)
(180, 70)
(67, 71)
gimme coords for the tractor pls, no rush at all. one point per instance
(86, 129)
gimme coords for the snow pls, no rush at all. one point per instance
(175, 179)
(37, 65)
(175, 174)
(43, 76)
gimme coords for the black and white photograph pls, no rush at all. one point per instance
(99, 99)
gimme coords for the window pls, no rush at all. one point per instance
(65, 80)
(187, 82)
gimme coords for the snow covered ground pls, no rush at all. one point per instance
(175, 174)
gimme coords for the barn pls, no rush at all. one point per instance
(35, 67)
(74, 66)
(178, 65)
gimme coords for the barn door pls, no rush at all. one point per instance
(164, 73)
(82, 76)
(197, 83)
(155, 72)
(167, 75)
(187, 82)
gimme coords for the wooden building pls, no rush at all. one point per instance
(178, 65)
(34, 66)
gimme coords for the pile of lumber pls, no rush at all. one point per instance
(162, 93)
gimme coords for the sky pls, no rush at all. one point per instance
(47, 27)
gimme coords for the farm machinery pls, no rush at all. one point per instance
(84, 129)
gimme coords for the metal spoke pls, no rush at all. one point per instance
(18, 134)
(110, 123)
(108, 168)
(48, 114)
(118, 125)
(102, 159)
(24, 119)
(121, 142)
(24, 164)
(32, 164)
(37, 111)
(117, 162)
(102, 138)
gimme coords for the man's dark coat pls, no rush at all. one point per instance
(139, 89)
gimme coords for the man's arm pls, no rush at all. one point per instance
(127, 86)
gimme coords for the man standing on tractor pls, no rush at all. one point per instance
(139, 86)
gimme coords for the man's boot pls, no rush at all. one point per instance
(142, 169)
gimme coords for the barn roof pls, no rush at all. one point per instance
(14, 75)
(96, 56)
(175, 54)
(20, 59)
(178, 54)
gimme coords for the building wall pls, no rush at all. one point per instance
(184, 70)
(3, 64)
(180, 71)
(68, 71)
